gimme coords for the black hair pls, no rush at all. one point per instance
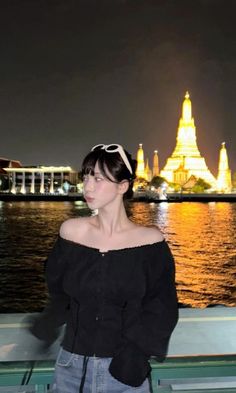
(112, 163)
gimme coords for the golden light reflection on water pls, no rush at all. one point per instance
(202, 237)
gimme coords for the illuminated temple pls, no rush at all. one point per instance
(186, 160)
(224, 183)
(140, 172)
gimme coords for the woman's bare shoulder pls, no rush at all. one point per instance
(151, 234)
(74, 228)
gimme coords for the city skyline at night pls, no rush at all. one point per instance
(77, 73)
(187, 124)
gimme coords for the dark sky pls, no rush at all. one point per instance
(77, 73)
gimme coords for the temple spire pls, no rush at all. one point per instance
(224, 174)
(140, 172)
(186, 158)
(186, 135)
(187, 109)
(148, 171)
(155, 164)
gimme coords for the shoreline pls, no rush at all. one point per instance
(188, 197)
(174, 197)
(41, 197)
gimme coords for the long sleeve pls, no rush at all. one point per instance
(148, 327)
(46, 326)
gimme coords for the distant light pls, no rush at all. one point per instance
(60, 191)
(79, 203)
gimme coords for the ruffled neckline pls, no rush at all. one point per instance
(140, 246)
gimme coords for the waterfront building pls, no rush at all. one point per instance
(155, 170)
(186, 160)
(4, 178)
(40, 179)
(224, 183)
(7, 163)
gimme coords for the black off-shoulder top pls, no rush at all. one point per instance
(120, 304)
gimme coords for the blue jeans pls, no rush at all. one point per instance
(69, 371)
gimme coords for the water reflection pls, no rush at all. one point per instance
(28, 231)
(202, 237)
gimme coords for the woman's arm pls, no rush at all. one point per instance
(147, 332)
(46, 325)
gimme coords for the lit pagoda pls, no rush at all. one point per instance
(224, 174)
(186, 159)
(140, 172)
(155, 164)
(148, 172)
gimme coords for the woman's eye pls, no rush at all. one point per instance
(97, 178)
(85, 177)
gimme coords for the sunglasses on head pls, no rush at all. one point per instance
(114, 148)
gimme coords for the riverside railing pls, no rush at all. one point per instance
(202, 355)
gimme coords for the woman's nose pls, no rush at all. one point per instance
(89, 185)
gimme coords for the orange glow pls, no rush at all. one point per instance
(203, 272)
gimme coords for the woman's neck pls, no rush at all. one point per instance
(111, 221)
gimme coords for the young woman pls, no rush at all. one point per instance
(112, 283)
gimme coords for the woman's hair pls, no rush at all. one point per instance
(111, 163)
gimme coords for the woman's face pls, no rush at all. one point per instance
(98, 190)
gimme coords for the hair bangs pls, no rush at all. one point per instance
(90, 161)
(89, 164)
(111, 166)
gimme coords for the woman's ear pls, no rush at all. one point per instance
(123, 186)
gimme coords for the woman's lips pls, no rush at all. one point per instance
(89, 199)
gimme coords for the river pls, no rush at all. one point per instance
(202, 237)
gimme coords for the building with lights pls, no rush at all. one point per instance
(155, 171)
(41, 179)
(186, 165)
(224, 183)
(140, 171)
(144, 171)
(186, 160)
(148, 171)
(4, 177)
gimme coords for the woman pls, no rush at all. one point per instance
(111, 282)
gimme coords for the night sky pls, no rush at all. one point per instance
(78, 73)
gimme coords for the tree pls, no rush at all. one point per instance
(174, 186)
(157, 181)
(140, 183)
(200, 186)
